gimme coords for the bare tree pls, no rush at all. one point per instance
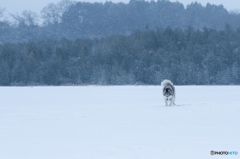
(2, 10)
(31, 18)
(52, 13)
(3, 22)
(235, 11)
(27, 18)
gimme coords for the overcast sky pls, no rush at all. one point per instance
(17, 6)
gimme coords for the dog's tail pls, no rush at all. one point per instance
(166, 82)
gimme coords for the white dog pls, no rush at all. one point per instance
(168, 92)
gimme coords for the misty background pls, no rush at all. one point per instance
(140, 42)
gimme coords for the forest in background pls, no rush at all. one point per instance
(190, 56)
(140, 42)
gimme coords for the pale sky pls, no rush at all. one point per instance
(17, 6)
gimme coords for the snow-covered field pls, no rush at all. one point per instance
(118, 122)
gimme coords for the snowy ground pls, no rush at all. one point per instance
(121, 122)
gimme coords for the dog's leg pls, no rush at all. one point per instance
(170, 103)
(173, 100)
(174, 96)
(166, 102)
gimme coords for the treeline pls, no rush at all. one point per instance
(73, 20)
(190, 56)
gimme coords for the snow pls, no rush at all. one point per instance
(118, 122)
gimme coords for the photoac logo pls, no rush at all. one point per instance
(223, 152)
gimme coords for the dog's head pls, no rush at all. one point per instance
(168, 90)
